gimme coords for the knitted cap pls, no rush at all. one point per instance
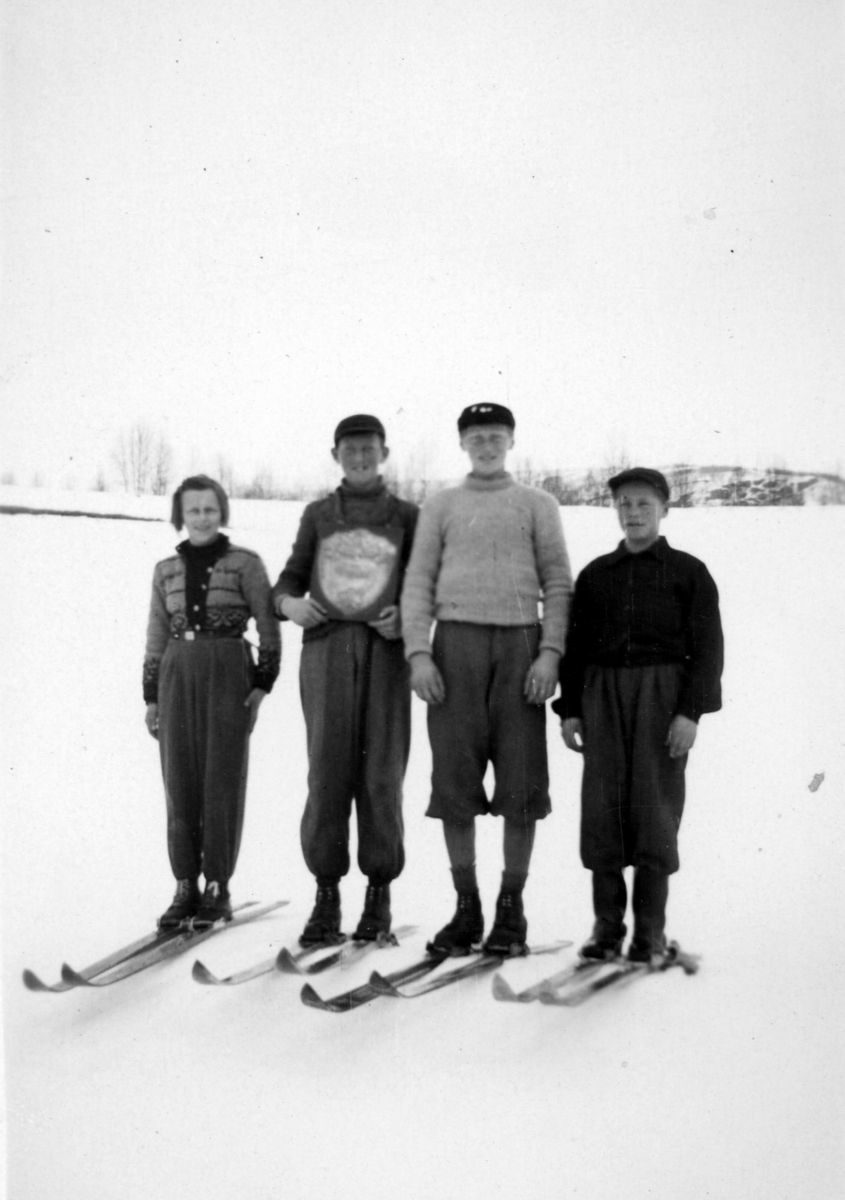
(486, 414)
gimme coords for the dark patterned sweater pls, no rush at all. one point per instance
(344, 508)
(211, 589)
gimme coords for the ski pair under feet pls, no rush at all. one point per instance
(466, 929)
(201, 911)
(603, 946)
(323, 926)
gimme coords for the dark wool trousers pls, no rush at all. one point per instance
(632, 792)
(356, 697)
(485, 718)
(204, 744)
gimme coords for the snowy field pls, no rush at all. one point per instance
(725, 1086)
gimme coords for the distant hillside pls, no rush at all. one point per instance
(691, 487)
(694, 486)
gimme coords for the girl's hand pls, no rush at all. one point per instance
(151, 719)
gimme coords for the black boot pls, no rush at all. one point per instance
(324, 923)
(651, 891)
(375, 919)
(510, 928)
(610, 898)
(185, 904)
(464, 931)
(215, 905)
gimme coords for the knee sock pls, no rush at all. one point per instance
(518, 846)
(460, 845)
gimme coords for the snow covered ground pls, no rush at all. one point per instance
(721, 1086)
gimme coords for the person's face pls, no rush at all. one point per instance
(487, 447)
(640, 510)
(360, 455)
(201, 516)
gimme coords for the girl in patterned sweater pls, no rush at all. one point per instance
(203, 693)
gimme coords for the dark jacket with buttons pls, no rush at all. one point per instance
(631, 610)
(211, 589)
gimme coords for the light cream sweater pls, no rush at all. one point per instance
(488, 552)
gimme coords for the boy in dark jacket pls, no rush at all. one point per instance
(341, 584)
(643, 662)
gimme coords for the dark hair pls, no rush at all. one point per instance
(198, 483)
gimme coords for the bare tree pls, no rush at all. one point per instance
(263, 486)
(162, 465)
(226, 475)
(523, 472)
(143, 459)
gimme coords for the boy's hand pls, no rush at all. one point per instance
(681, 736)
(426, 680)
(302, 610)
(389, 623)
(572, 732)
(541, 680)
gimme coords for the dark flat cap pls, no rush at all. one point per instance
(641, 475)
(486, 414)
(359, 423)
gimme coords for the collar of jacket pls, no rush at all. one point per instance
(659, 550)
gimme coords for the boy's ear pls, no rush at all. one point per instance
(334, 454)
(385, 452)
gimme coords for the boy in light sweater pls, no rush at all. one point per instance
(485, 555)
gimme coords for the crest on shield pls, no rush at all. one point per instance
(356, 572)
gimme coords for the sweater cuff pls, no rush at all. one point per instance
(565, 708)
(150, 681)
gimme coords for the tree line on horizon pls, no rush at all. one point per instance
(143, 461)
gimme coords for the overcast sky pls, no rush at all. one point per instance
(240, 222)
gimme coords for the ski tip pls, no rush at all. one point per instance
(312, 999)
(73, 977)
(382, 986)
(286, 963)
(31, 981)
(201, 974)
(502, 990)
